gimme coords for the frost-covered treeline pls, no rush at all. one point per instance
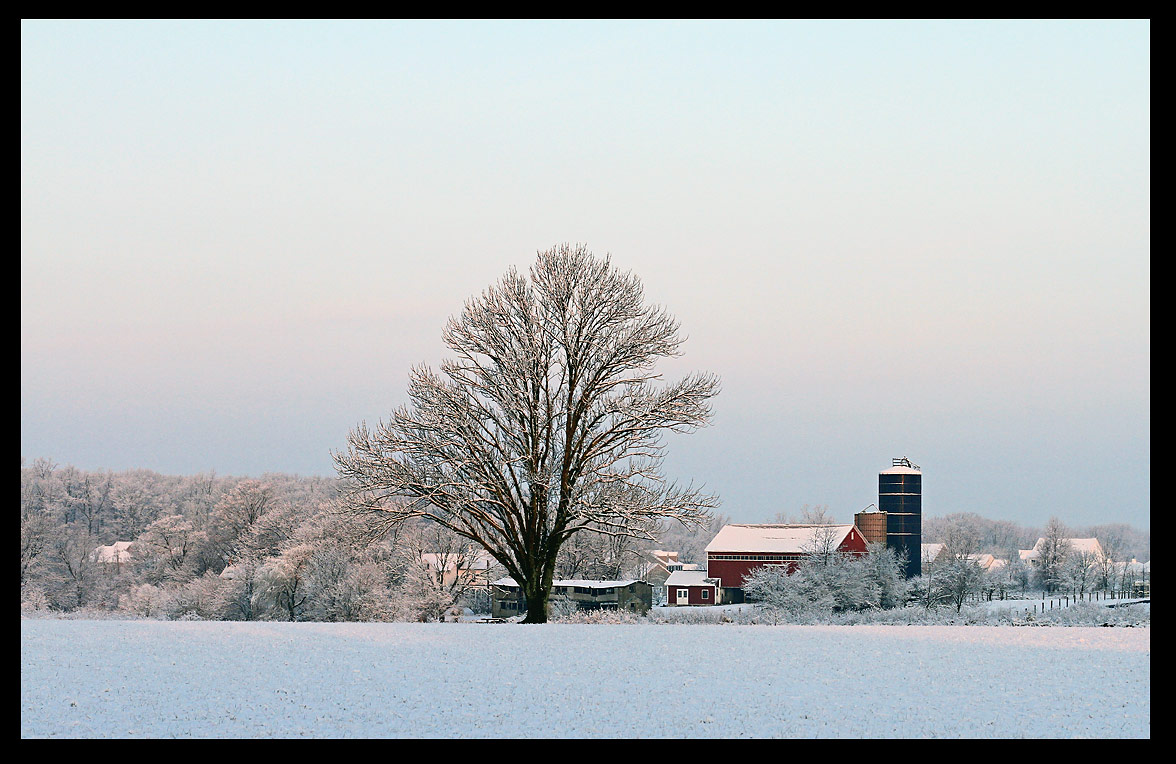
(1062, 559)
(998, 537)
(271, 548)
(213, 547)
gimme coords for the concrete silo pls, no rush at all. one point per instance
(900, 496)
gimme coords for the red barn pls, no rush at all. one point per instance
(739, 549)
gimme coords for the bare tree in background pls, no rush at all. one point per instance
(438, 569)
(1053, 552)
(1081, 569)
(548, 422)
(961, 577)
(822, 546)
(1111, 542)
(809, 515)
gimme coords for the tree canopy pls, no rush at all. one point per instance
(550, 421)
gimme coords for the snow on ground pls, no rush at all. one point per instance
(218, 679)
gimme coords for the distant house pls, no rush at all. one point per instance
(663, 556)
(116, 554)
(507, 597)
(932, 554)
(472, 569)
(739, 549)
(938, 554)
(1089, 546)
(986, 562)
(692, 587)
(1135, 576)
(656, 565)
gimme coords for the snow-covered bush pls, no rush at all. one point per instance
(33, 598)
(597, 616)
(144, 601)
(832, 583)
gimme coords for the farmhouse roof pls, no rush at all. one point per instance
(480, 560)
(583, 583)
(930, 552)
(1076, 545)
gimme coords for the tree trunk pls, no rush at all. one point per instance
(537, 596)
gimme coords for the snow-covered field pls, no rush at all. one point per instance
(177, 679)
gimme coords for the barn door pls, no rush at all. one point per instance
(683, 597)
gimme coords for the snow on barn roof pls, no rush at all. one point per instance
(690, 578)
(583, 583)
(772, 538)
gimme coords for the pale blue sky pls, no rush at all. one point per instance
(888, 238)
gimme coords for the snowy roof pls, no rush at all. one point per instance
(583, 583)
(930, 552)
(772, 538)
(690, 578)
(116, 552)
(900, 470)
(985, 561)
(476, 561)
(1078, 545)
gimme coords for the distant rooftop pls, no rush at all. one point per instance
(583, 583)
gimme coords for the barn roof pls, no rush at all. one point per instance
(773, 538)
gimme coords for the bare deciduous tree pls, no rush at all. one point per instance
(1053, 551)
(549, 421)
(1081, 570)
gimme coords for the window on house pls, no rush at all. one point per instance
(706, 594)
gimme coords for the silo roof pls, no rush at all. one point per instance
(901, 471)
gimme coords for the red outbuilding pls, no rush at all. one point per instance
(739, 549)
(692, 587)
